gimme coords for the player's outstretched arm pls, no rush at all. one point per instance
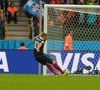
(38, 35)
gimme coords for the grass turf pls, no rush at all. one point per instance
(39, 82)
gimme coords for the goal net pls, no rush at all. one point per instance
(83, 20)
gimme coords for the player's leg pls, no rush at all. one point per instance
(54, 64)
(48, 62)
(51, 69)
(58, 67)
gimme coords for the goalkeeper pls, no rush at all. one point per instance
(43, 58)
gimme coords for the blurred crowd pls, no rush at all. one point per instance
(71, 1)
(32, 9)
(8, 10)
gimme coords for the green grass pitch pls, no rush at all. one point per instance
(39, 82)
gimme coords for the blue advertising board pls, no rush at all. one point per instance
(23, 61)
(18, 61)
(74, 61)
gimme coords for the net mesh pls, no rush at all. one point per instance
(83, 21)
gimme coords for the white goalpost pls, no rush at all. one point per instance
(83, 20)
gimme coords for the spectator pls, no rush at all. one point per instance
(32, 8)
(67, 1)
(1, 18)
(81, 2)
(65, 18)
(36, 26)
(12, 12)
(32, 11)
(22, 46)
(46, 1)
(68, 43)
(53, 1)
(57, 1)
(1, 5)
(6, 6)
(22, 3)
(81, 14)
(2, 29)
(91, 18)
(75, 1)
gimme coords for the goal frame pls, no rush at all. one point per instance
(46, 6)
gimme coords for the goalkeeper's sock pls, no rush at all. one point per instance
(51, 69)
(58, 68)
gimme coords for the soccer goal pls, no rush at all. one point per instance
(83, 20)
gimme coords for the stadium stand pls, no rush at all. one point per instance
(21, 30)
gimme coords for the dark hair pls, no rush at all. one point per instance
(43, 34)
(22, 44)
(11, 3)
